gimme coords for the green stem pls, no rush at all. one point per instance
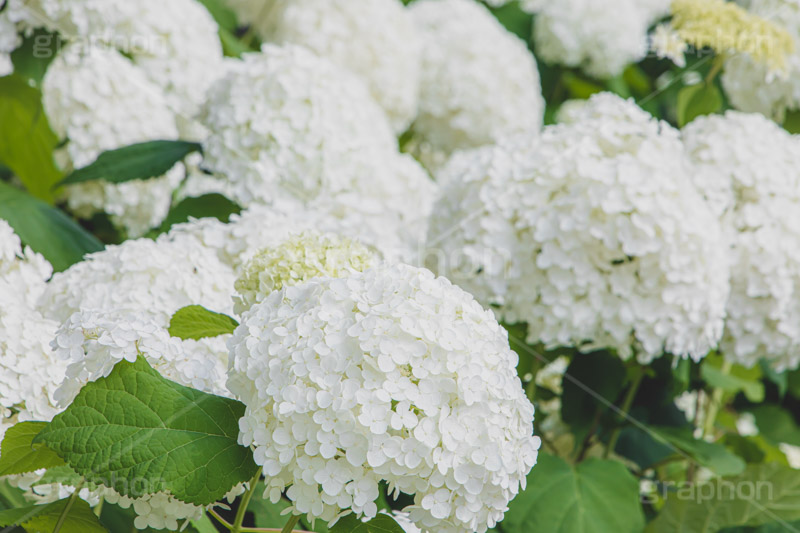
(237, 523)
(62, 518)
(98, 509)
(715, 402)
(625, 408)
(289, 527)
(716, 67)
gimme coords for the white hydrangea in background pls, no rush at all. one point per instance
(479, 82)
(601, 37)
(592, 234)
(374, 39)
(9, 41)
(297, 260)
(97, 100)
(288, 125)
(176, 43)
(749, 84)
(749, 169)
(156, 278)
(261, 227)
(403, 371)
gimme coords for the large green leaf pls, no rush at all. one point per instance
(223, 15)
(737, 379)
(19, 455)
(197, 322)
(45, 229)
(134, 424)
(592, 382)
(762, 494)
(698, 100)
(382, 523)
(26, 140)
(34, 55)
(596, 496)
(43, 518)
(713, 456)
(135, 162)
(777, 424)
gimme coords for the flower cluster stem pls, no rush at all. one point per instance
(625, 408)
(237, 523)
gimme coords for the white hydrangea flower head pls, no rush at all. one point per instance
(479, 82)
(23, 271)
(259, 227)
(176, 43)
(748, 169)
(288, 125)
(96, 99)
(156, 278)
(93, 342)
(374, 39)
(157, 511)
(404, 371)
(593, 235)
(28, 371)
(600, 37)
(297, 260)
(9, 41)
(749, 84)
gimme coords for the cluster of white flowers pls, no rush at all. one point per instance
(288, 125)
(9, 40)
(374, 39)
(93, 342)
(297, 260)
(176, 43)
(592, 234)
(156, 511)
(600, 37)
(155, 278)
(97, 100)
(28, 371)
(260, 227)
(748, 169)
(390, 374)
(748, 82)
(479, 82)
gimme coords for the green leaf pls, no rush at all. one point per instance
(713, 456)
(777, 424)
(19, 455)
(698, 100)
(232, 46)
(134, 424)
(382, 523)
(45, 229)
(43, 518)
(592, 381)
(578, 87)
(197, 322)
(596, 496)
(762, 494)
(223, 15)
(11, 497)
(754, 390)
(791, 122)
(135, 162)
(35, 54)
(207, 206)
(26, 140)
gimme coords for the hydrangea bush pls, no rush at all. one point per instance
(386, 266)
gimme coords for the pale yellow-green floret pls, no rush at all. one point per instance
(727, 28)
(296, 260)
